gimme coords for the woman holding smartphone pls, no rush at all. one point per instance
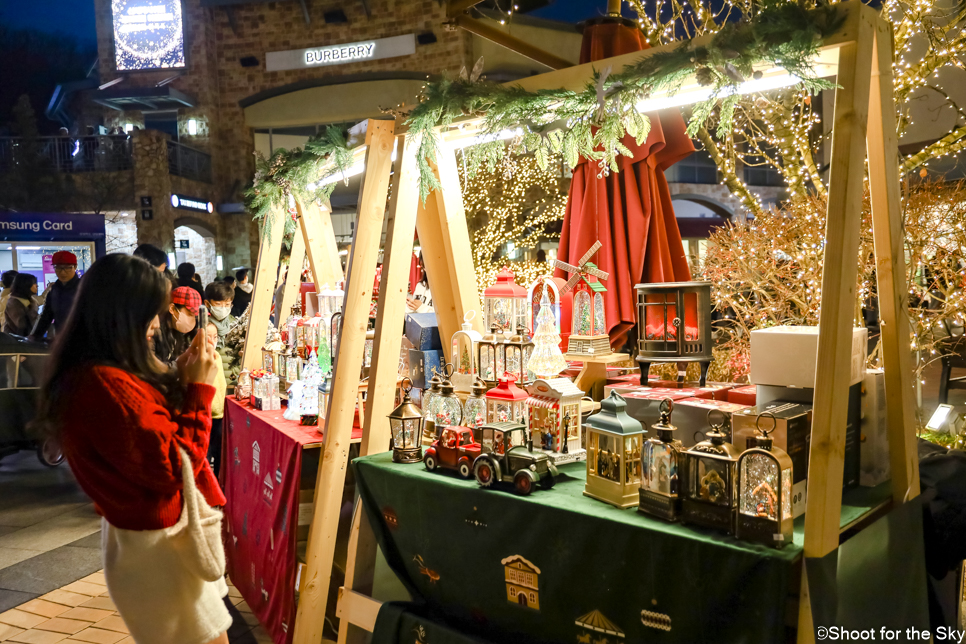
(124, 418)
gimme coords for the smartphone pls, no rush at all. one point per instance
(203, 318)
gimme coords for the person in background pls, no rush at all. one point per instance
(177, 321)
(153, 256)
(422, 298)
(60, 299)
(6, 280)
(186, 277)
(229, 280)
(124, 420)
(217, 405)
(243, 293)
(20, 314)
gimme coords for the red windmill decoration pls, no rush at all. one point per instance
(589, 324)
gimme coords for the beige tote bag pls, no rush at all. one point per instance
(197, 534)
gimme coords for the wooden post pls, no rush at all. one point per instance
(342, 406)
(890, 270)
(293, 280)
(320, 244)
(266, 273)
(433, 251)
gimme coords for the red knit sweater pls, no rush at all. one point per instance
(121, 441)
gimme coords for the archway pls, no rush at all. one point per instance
(698, 216)
(194, 241)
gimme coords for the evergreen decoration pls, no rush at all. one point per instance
(592, 122)
(546, 361)
(297, 173)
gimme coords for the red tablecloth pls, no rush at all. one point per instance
(261, 466)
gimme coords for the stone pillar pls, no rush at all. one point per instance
(151, 179)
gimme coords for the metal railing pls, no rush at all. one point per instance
(188, 162)
(69, 154)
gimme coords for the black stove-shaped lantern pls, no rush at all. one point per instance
(711, 468)
(664, 335)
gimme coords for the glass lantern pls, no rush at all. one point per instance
(614, 442)
(463, 356)
(293, 366)
(491, 356)
(474, 411)
(406, 425)
(430, 396)
(709, 497)
(660, 492)
(505, 303)
(448, 408)
(764, 491)
(367, 354)
(335, 326)
(519, 348)
(506, 402)
(312, 334)
(243, 388)
(588, 325)
(325, 393)
(268, 360)
(291, 325)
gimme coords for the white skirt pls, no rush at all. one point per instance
(159, 599)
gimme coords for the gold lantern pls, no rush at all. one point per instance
(764, 491)
(614, 453)
(406, 425)
(709, 497)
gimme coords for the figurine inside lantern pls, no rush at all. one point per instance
(474, 410)
(660, 492)
(709, 498)
(506, 402)
(589, 333)
(614, 454)
(406, 426)
(561, 303)
(448, 410)
(764, 491)
(505, 303)
(463, 355)
(519, 349)
(553, 411)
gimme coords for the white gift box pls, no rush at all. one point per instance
(786, 356)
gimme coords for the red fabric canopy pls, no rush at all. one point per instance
(629, 211)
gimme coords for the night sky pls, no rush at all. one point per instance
(76, 17)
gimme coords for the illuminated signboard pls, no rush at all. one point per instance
(148, 34)
(188, 203)
(341, 54)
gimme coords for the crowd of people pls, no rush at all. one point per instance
(133, 387)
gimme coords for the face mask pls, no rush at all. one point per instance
(183, 322)
(220, 312)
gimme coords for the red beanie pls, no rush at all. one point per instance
(64, 257)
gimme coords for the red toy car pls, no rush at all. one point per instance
(454, 449)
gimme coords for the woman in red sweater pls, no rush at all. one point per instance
(121, 416)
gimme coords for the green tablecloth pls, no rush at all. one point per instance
(603, 572)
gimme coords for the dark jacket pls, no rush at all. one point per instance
(60, 300)
(241, 302)
(19, 318)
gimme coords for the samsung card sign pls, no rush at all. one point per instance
(341, 54)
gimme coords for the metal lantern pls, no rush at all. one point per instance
(474, 410)
(335, 327)
(293, 366)
(614, 454)
(518, 350)
(268, 360)
(709, 498)
(491, 356)
(243, 388)
(325, 393)
(313, 333)
(764, 491)
(660, 493)
(463, 355)
(291, 325)
(430, 396)
(505, 303)
(406, 425)
(506, 402)
(448, 408)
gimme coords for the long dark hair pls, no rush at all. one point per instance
(117, 300)
(22, 284)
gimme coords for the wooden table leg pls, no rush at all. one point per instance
(592, 378)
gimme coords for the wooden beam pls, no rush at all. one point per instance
(433, 251)
(342, 406)
(293, 280)
(890, 267)
(392, 309)
(320, 244)
(502, 38)
(266, 272)
(359, 575)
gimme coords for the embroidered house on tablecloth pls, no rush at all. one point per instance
(522, 579)
(553, 414)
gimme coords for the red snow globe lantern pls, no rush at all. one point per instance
(506, 402)
(505, 303)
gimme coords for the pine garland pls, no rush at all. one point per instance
(592, 122)
(297, 173)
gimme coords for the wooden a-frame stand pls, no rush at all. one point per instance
(864, 126)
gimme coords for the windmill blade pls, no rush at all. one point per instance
(596, 272)
(590, 253)
(570, 283)
(565, 266)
